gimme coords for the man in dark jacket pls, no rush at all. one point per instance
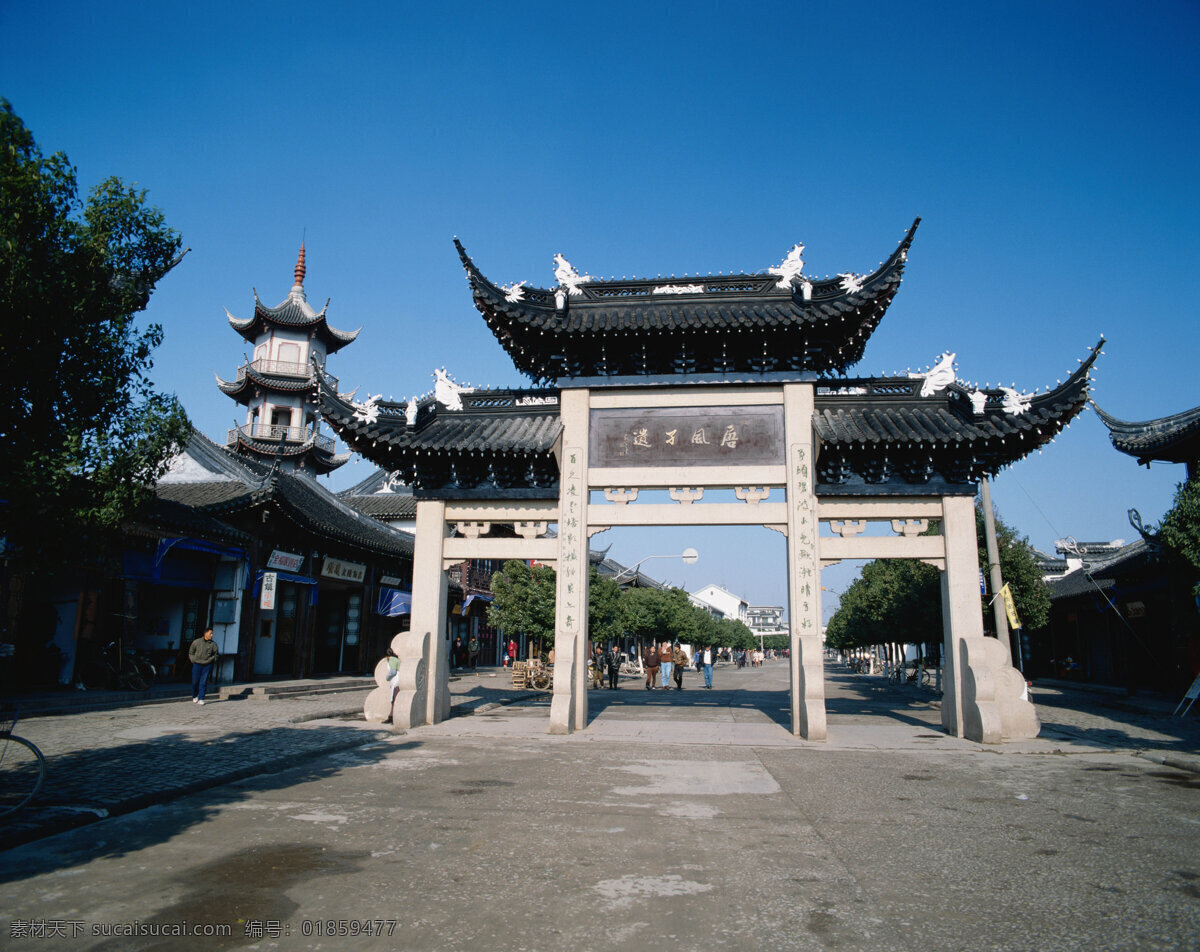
(614, 667)
(650, 660)
(203, 654)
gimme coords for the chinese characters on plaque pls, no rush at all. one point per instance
(677, 436)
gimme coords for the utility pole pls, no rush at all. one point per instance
(996, 581)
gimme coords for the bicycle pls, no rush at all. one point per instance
(22, 768)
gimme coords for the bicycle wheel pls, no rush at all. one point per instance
(22, 770)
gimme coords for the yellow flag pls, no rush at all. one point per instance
(1010, 607)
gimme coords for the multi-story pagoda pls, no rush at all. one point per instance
(277, 385)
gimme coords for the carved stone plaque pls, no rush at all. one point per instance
(686, 436)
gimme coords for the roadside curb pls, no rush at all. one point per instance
(1178, 761)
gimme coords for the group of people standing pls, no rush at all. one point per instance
(666, 662)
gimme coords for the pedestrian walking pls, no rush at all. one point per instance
(597, 666)
(666, 660)
(473, 653)
(679, 662)
(203, 654)
(512, 653)
(650, 661)
(456, 653)
(706, 665)
(614, 667)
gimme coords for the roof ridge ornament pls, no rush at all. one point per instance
(789, 270)
(568, 279)
(939, 377)
(446, 391)
(410, 411)
(514, 292)
(1015, 403)
(368, 411)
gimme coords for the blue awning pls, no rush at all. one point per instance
(393, 602)
(470, 598)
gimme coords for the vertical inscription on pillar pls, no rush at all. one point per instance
(571, 565)
(804, 525)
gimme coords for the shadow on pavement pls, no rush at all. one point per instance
(83, 786)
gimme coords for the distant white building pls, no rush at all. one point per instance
(720, 603)
(766, 619)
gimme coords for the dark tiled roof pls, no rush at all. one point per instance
(735, 324)
(322, 460)
(294, 313)
(242, 388)
(1170, 439)
(879, 432)
(500, 444)
(249, 484)
(382, 497)
(1102, 572)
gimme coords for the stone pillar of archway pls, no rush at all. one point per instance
(430, 588)
(568, 707)
(804, 577)
(982, 697)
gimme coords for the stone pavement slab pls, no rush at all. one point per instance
(640, 833)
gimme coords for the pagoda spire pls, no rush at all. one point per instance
(298, 287)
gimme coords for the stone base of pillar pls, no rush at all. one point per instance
(562, 703)
(808, 703)
(408, 708)
(994, 708)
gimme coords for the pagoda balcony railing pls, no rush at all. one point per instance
(280, 368)
(279, 434)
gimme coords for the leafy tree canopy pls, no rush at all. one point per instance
(899, 600)
(85, 432)
(523, 601)
(1180, 528)
(1020, 571)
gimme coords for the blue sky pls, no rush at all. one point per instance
(1050, 149)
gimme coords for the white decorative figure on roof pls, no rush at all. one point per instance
(790, 268)
(1014, 402)
(410, 411)
(368, 410)
(978, 400)
(514, 292)
(446, 391)
(939, 378)
(568, 277)
(851, 282)
(678, 289)
(805, 287)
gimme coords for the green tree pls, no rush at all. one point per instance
(85, 433)
(1180, 528)
(1020, 571)
(523, 602)
(893, 600)
(604, 596)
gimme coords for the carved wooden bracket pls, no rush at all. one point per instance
(909, 527)
(752, 494)
(473, 530)
(685, 495)
(531, 530)
(847, 528)
(620, 495)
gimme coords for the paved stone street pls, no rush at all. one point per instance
(692, 818)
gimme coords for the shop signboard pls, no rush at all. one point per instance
(266, 600)
(285, 561)
(343, 571)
